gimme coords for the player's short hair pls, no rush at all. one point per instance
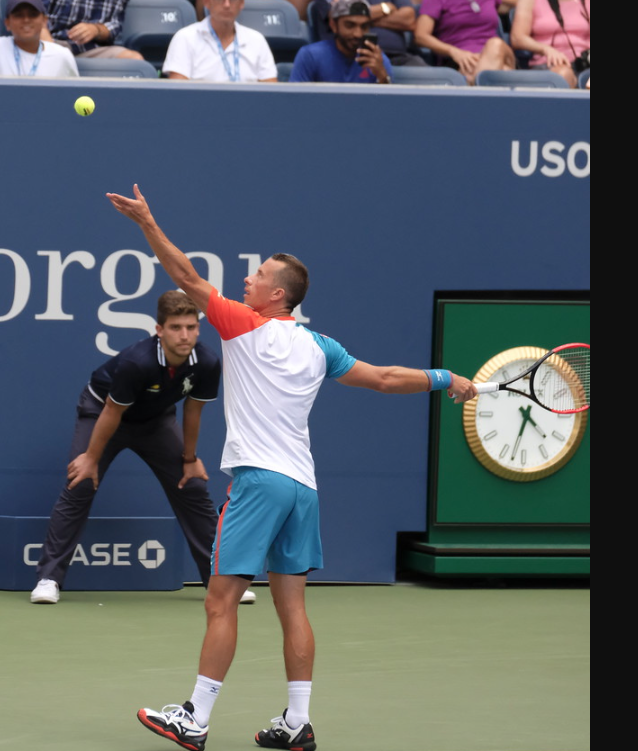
(174, 303)
(294, 278)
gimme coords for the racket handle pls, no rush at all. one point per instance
(486, 388)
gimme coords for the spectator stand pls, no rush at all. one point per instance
(516, 79)
(283, 72)
(149, 26)
(115, 68)
(279, 22)
(3, 29)
(435, 76)
(583, 79)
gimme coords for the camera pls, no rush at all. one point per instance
(583, 61)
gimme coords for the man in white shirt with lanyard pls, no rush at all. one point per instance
(218, 49)
(24, 53)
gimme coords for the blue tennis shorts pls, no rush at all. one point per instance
(271, 520)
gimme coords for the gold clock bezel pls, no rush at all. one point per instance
(476, 445)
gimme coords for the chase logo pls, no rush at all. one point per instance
(151, 554)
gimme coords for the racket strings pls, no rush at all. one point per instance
(563, 383)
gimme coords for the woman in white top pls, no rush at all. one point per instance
(219, 49)
(24, 53)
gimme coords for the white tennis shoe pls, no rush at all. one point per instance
(46, 592)
(248, 598)
(176, 723)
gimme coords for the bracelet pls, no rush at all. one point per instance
(189, 461)
(440, 380)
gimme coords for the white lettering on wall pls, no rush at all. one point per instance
(22, 289)
(556, 159)
(146, 268)
(57, 268)
(116, 319)
(215, 270)
(104, 554)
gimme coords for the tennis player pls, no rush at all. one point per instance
(273, 369)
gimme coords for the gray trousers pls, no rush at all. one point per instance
(160, 444)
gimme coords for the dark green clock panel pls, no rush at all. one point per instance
(462, 491)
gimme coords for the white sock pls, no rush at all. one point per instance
(298, 703)
(204, 698)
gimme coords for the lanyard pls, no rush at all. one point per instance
(36, 62)
(231, 76)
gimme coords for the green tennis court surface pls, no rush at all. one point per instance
(422, 666)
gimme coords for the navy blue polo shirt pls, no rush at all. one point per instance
(139, 378)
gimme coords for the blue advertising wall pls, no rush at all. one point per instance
(388, 194)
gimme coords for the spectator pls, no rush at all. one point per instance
(220, 49)
(390, 21)
(88, 27)
(24, 53)
(557, 33)
(346, 58)
(463, 34)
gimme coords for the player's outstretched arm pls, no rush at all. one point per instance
(175, 263)
(398, 380)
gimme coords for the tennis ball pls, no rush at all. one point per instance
(84, 106)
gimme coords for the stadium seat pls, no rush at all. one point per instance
(283, 72)
(3, 30)
(583, 78)
(313, 32)
(115, 68)
(522, 56)
(515, 79)
(279, 22)
(149, 26)
(437, 76)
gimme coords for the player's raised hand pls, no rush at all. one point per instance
(134, 208)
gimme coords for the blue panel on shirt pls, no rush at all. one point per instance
(338, 361)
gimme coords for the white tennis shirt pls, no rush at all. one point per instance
(194, 53)
(273, 368)
(55, 61)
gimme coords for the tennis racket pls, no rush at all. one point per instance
(559, 381)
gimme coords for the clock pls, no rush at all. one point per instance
(512, 436)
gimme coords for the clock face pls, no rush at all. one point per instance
(511, 435)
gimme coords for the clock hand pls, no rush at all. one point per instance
(537, 427)
(526, 418)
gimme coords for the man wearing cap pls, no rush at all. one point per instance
(88, 27)
(24, 53)
(347, 58)
(390, 21)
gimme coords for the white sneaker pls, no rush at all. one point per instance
(248, 598)
(46, 592)
(176, 724)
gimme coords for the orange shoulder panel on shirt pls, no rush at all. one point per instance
(232, 318)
